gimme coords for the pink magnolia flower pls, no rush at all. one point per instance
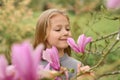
(81, 43)
(51, 55)
(7, 72)
(113, 4)
(26, 60)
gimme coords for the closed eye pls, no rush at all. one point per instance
(57, 30)
(68, 29)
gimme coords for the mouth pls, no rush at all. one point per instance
(63, 39)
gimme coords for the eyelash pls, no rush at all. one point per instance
(57, 30)
(67, 29)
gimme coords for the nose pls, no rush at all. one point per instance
(65, 32)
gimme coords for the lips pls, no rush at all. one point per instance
(63, 39)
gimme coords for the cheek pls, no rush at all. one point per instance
(70, 34)
(48, 42)
(51, 39)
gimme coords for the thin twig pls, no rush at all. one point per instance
(104, 37)
(116, 49)
(111, 68)
(110, 73)
(104, 55)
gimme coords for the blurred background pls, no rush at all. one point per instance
(18, 19)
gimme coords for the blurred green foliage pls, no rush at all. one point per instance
(12, 28)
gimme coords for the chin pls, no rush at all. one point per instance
(64, 46)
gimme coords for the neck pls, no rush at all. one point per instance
(61, 52)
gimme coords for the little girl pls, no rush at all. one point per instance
(53, 29)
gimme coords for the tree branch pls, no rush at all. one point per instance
(107, 70)
(110, 73)
(107, 36)
(104, 55)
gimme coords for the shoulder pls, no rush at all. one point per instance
(73, 60)
(69, 62)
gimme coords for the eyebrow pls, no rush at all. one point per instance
(60, 25)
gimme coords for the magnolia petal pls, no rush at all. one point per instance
(3, 66)
(72, 44)
(81, 39)
(23, 52)
(12, 73)
(20, 52)
(47, 67)
(6, 72)
(46, 56)
(113, 4)
(80, 42)
(37, 53)
(10, 70)
(55, 58)
(51, 55)
(88, 40)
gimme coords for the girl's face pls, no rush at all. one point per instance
(58, 32)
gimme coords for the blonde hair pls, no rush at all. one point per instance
(44, 23)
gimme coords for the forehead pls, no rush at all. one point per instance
(58, 18)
